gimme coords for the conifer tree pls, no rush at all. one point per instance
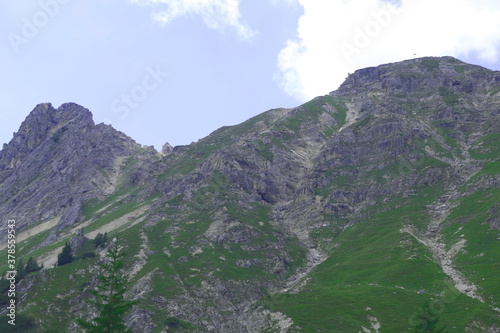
(21, 270)
(32, 266)
(65, 257)
(100, 239)
(108, 296)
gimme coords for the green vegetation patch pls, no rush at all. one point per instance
(487, 147)
(264, 150)
(376, 270)
(494, 91)
(480, 259)
(65, 284)
(347, 308)
(450, 97)
(311, 110)
(459, 68)
(430, 64)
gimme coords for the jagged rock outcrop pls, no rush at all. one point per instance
(57, 160)
(78, 241)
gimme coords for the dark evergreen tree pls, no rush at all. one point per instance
(100, 239)
(108, 296)
(65, 257)
(21, 270)
(32, 266)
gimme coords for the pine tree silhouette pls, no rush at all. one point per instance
(108, 296)
(65, 257)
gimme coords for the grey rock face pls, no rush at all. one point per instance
(53, 164)
(78, 240)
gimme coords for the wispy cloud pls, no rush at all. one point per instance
(336, 37)
(217, 14)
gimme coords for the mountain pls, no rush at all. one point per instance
(56, 161)
(353, 212)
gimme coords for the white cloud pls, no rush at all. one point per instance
(217, 14)
(336, 37)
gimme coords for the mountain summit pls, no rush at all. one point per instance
(371, 209)
(55, 162)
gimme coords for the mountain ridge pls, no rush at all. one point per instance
(356, 197)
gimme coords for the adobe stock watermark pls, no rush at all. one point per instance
(31, 26)
(363, 36)
(11, 273)
(427, 316)
(153, 78)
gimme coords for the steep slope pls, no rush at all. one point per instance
(416, 123)
(54, 163)
(345, 214)
(394, 181)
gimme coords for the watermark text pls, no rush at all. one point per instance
(31, 26)
(11, 274)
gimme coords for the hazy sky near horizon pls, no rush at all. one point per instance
(176, 70)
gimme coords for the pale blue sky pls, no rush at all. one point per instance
(176, 70)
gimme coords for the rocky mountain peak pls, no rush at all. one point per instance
(56, 157)
(417, 75)
(65, 112)
(45, 120)
(42, 123)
